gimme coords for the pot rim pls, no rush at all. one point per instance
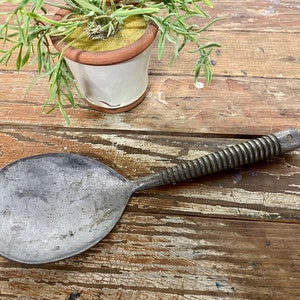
(105, 57)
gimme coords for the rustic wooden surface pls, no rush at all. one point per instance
(233, 235)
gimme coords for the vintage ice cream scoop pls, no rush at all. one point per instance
(53, 206)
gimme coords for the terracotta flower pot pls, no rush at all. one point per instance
(111, 81)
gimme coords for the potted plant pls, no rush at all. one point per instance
(29, 30)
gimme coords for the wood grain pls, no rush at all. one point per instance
(173, 104)
(234, 235)
(164, 257)
(267, 190)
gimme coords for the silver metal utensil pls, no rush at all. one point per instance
(54, 206)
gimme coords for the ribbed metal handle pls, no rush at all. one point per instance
(232, 157)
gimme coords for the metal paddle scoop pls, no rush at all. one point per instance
(54, 206)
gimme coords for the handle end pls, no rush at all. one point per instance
(289, 139)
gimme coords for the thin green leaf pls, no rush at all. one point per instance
(207, 3)
(19, 58)
(207, 71)
(25, 58)
(89, 6)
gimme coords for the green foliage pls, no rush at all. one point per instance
(27, 31)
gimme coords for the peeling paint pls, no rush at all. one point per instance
(272, 8)
(199, 85)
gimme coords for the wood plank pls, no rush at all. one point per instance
(249, 15)
(245, 51)
(267, 190)
(171, 257)
(258, 16)
(173, 104)
(243, 54)
(234, 235)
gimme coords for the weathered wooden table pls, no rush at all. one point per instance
(235, 235)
